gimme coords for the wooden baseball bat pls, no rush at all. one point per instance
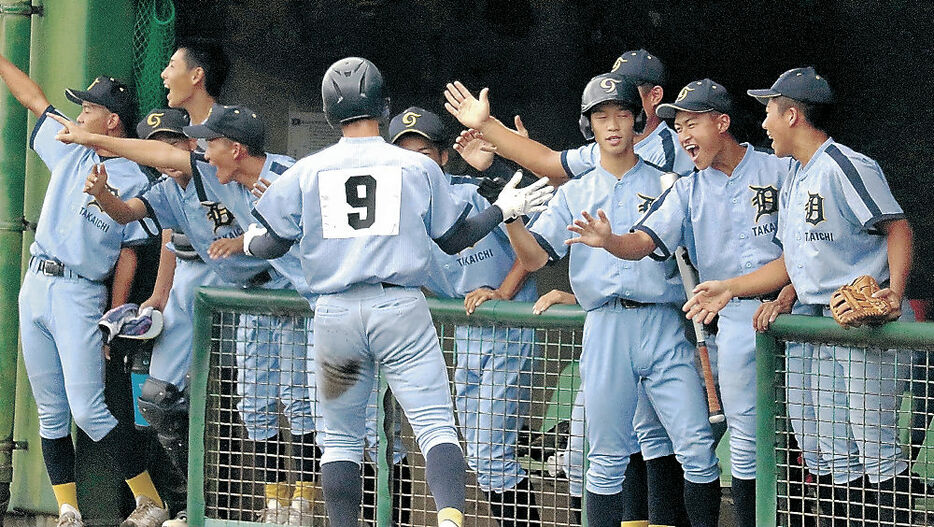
(689, 279)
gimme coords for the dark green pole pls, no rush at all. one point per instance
(14, 34)
(766, 411)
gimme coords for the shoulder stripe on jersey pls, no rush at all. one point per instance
(543, 243)
(39, 122)
(196, 177)
(668, 145)
(278, 168)
(855, 179)
(465, 180)
(441, 240)
(564, 163)
(653, 207)
(653, 165)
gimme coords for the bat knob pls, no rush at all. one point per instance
(716, 418)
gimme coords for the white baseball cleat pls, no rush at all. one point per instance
(146, 514)
(69, 518)
(273, 513)
(180, 520)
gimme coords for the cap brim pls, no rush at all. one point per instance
(166, 130)
(78, 97)
(413, 131)
(669, 110)
(763, 96)
(200, 131)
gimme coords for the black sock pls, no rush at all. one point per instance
(604, 510)
(636, 490)
(515, 507)
(306, 457)
(576, 502)
(702, 501)
(665, 482)
(340, 481)
(744, 501)
(119, 443)
(446, 474)
(59, 456)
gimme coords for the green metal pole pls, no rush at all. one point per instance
(14, 33)
(766, 408)
(198, 386)
(71, 42)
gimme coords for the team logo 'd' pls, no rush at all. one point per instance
(609, 85)
(219, 214)
(409, 119)
(765, 199)
(814, 209)
(113, 190)
(647, 202)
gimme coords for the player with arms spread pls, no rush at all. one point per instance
(364, 213)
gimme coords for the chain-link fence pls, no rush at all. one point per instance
(845, 416)
(153, 44)
(514, 389)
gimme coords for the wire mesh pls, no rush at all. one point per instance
(852, 436)
(153, 44)
(514, 390)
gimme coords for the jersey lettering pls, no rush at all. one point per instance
(359, 202)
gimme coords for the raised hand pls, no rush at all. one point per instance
(475, 150)
(515, 202)
(96, 183)
(709, 298)
(591, 231)
(260, 187)
(470, 111)
(71, 133)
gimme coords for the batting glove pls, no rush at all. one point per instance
(515, 202)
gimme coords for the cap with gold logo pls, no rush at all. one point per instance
(800, 84)
(237, 123)
(168, 120)
(415, 120)
(110, 93)
(699, 97)
(642, 66)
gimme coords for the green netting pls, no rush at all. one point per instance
(153, 44)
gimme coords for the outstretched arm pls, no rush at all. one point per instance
(475, 113)
(596, 232)
(26, 91)
(712, 296)
(122, 212)
(145, 152)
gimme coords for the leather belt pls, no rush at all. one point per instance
(625, 303)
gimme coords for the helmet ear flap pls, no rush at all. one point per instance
(585, 128)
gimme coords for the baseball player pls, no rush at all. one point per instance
(269, 348)
(363, 213)
(617, 295)
(492, 379)
(194, 77)
(77, 249)
(725, 214)
(837, 220)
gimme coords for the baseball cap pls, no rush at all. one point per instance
(699, 97)
(419, 121)
(800, 84)
(237, 123)
(171, 120)
(110, 93)
(640, 65)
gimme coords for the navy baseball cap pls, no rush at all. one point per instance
(641, 65)
(237, 123)
(699, 97)
(110, 93)
(169, 120)
(800, 84)
(419, 121)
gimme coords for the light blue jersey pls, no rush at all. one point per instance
(597, 276)
(72, 228)
(660, 148)
(200, 213)
(485, 264)
(727, 223)
(240, 201)
(828, 214)
(359, 221)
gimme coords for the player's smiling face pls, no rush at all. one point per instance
(222, 153)
(777, 127)
(179, 79)
(700, 134)
(417, 143)
(612, 127)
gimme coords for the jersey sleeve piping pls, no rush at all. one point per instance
(659, 244)
(152, 214)
(272, 232)
(39, 123)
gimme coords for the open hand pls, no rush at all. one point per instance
(591, 231)
(515, 202)
(474, 149)
(709, 298)
(470, 111)
(225, 247)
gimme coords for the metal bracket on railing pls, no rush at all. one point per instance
(24, 9)
(17, 225)
(14, 445)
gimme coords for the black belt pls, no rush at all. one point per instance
(259, 279)
(50, 267)
(387, 284)
(625, 303)
(768, 297)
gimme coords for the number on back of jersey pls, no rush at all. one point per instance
(360, 201)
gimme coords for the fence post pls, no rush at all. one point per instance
(766, 408)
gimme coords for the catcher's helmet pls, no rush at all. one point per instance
(609, 87)
(352, 88)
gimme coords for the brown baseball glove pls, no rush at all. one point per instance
(853, 305)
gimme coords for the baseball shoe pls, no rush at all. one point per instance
(273, 513)
(301, 513)
(69, 518)
(146, 514)
(180, 520)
